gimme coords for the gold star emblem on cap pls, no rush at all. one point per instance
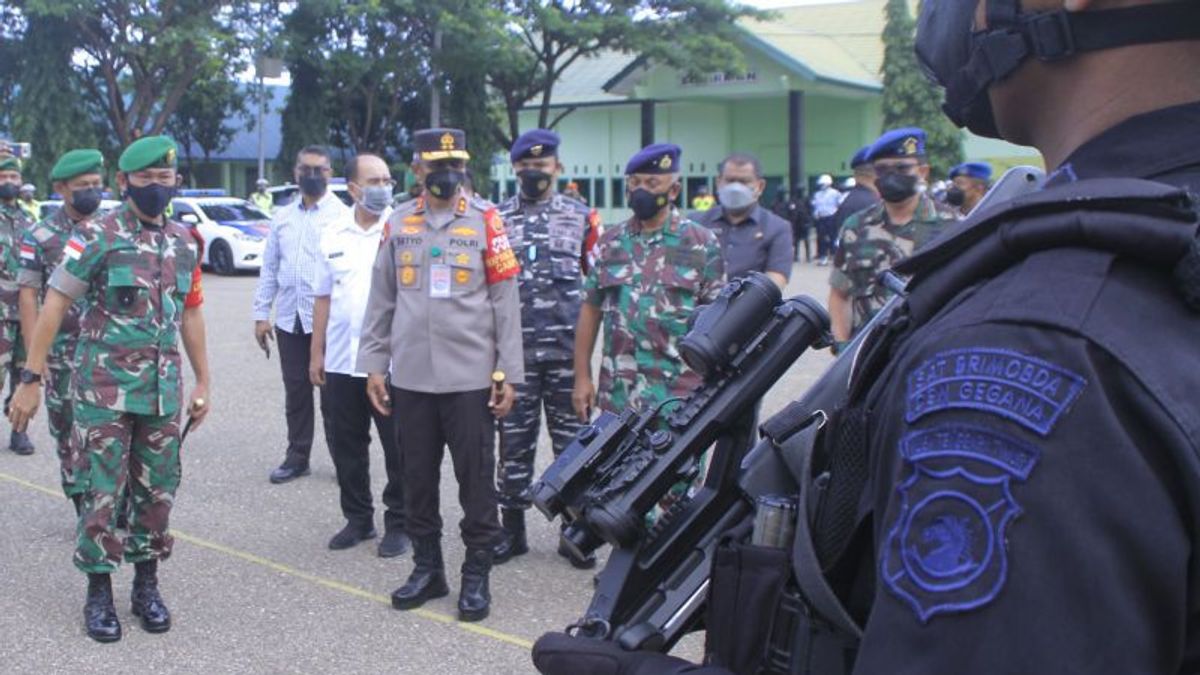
(447, 141)
(536, 151)
(910, 145)
(665, 162)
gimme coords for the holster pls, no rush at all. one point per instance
(746, 588)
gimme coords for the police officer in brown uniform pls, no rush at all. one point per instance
(443, 317)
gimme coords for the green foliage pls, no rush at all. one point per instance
(909, 98)
(359, 74)
(540, 39)
(48, 113)
(206, 111)
(140, 57)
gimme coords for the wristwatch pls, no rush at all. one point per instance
(30, 377)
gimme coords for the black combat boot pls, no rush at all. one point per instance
(19, 443)
(428, 578)
(147, 603)
(512, 538)
(475, 600)
(99, 615)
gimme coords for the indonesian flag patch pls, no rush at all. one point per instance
(27, 252)
(74, 248)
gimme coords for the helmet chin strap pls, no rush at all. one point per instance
(1013, 36)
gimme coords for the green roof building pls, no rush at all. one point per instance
(809, 97)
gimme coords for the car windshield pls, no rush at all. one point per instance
(226, 212)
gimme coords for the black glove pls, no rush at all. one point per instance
(561, 654)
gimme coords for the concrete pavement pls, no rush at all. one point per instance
(251, 585)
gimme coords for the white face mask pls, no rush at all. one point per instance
(376, 198)
(736, 196)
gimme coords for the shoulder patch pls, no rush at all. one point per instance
(947, 548)
(1027, 390)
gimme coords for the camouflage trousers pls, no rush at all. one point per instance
(12, 353)
(59, 419)
(548, 386)
(120, 448)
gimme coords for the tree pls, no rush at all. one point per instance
(532, 43)
(909, 98)
(54, 118)
(204, 113)
(140, 57)
(359, 74)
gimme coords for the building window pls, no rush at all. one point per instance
(495, 192)
(618, 193)
(598, 193)
(510, 188)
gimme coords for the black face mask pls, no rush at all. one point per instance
(955, 196)
(896, 187)
(444, 183)
(534, 183)
(9, 191)
(966, 63)
(86, 201)
(151, 199)
(313, 186)
(647, 204)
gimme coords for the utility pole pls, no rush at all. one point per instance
(435, 92)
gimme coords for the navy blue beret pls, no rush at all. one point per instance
(535, 143)
(860, 157)
(898, 143)
(977, 170)
(655, 158)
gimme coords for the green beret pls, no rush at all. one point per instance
(148, 152)
(10, 164)
(76, 163)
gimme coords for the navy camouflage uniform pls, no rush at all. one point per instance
(552, 239)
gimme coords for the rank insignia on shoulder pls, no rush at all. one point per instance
(947, 546)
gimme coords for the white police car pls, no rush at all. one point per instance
(234, 230)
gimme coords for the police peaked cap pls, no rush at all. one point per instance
(441, 143)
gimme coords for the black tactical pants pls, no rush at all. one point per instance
(297, 392)
(547, 385)
(348, 415)
(425, 425)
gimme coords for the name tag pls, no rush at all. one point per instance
(439, 281)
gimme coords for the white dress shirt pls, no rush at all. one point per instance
(344, 275)
(290, 261)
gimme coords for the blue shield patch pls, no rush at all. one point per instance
(946, 551)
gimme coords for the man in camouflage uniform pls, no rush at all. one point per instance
(873, 240)
(651, 273)
(139, 279)
(552, 235)
(77, 176)
(14, 222)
